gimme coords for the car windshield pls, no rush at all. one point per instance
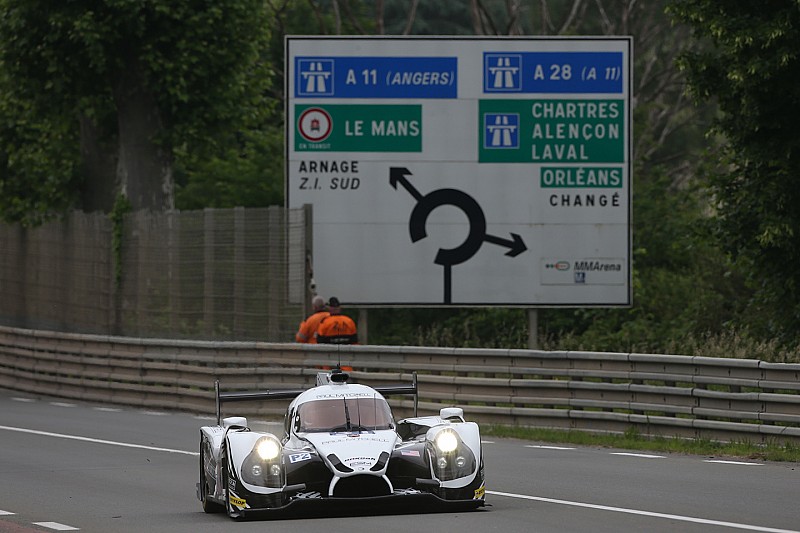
(350, 414)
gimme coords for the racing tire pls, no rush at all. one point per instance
(209, 506)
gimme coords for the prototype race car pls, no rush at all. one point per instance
(341, 450)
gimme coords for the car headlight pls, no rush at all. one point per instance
(262, 466)
(451, 458)
(446, 441)
(268, 449)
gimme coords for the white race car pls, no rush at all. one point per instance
(341, 452)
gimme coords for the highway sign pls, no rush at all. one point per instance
(450, 171)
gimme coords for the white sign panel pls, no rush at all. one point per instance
(463, 171)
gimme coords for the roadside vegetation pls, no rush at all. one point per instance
(632, 440)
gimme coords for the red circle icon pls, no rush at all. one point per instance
(315, 124)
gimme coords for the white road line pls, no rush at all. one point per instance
(62, 404)
(642, 455)
(56, 526)
(155, 413)
(5, 513)
(487, 442)
(97, 441)
(108, 409)
(25, 400)
(644, 513)
(548, 447)
(732, 462)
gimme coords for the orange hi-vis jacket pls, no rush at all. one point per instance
(308, 328)
(337, 329)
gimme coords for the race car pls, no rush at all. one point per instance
(341, 451)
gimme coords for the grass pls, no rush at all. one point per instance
(508, 329)
(632, 440)
(727, 344)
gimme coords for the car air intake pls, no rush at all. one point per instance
(382, 460)
(338, 464)
(361, 486)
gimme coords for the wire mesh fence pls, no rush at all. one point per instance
(215, 274)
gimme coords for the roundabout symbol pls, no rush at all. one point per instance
(447, 257)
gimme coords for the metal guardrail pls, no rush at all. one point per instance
(658, 395)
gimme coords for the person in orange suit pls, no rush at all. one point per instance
(308, 327)
(336, 328)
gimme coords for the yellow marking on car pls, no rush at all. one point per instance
(480, 493)
(238, 502)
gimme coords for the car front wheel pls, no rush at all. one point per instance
(209, 506)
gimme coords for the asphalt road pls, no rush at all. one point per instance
(68, 465)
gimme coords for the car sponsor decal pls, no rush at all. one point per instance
(361, 437)
(298, 457)
(480, 493)
(411, 453)
(238, 502)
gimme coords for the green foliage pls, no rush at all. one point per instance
(38, 160)
(472, 328)
(204, 63)
(750, 68)
(246, 172)
(70, 54)
(444, 17)
(245, 168)
(38, 164)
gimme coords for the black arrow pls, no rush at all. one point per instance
(398, 175)
(477, 225)
(467, 204)
(516, 245)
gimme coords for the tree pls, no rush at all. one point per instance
(748, 63)
(136, 79)
(38, 160)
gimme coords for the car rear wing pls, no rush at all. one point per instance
(289, 394)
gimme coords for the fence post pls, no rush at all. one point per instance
(174, 269)
(276, 268)
(208, 271)
(239, 272)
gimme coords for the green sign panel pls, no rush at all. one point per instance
(581, 177)
(551, 131)
(358, 128)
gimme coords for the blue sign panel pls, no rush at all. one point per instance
(501, 130)
(552, 72)
(376, 77)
